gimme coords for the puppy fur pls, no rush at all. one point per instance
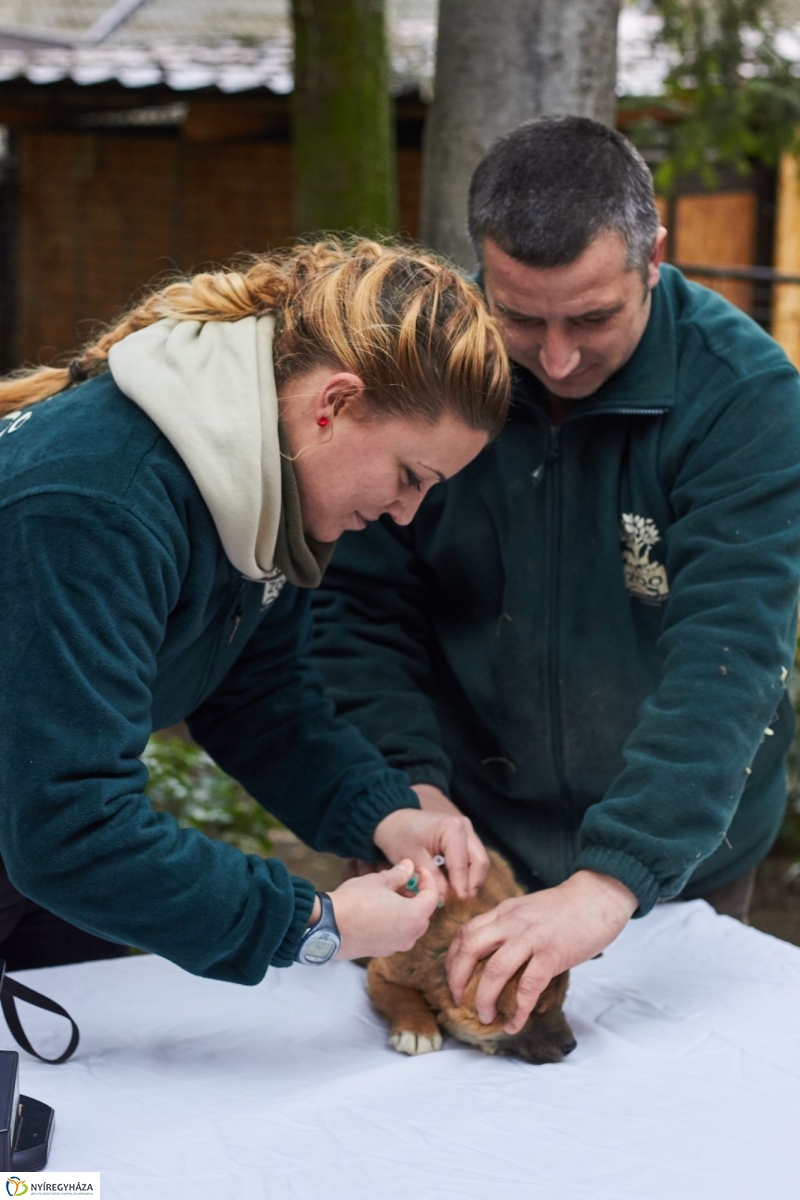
(410, 989)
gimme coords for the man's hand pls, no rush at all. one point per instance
(419, 835)
(552, 931)
(433, 799)
(374, 919)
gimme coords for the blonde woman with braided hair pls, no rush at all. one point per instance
(167, 501)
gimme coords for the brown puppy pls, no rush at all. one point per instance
(410, 988)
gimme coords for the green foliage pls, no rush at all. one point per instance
(184, 781)
(789, 837)
(735, 98)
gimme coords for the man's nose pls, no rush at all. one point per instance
(557, 356)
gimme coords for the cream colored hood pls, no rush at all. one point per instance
(210, 388)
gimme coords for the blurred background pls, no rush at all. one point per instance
(142, 137)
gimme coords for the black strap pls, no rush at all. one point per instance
(9, 990)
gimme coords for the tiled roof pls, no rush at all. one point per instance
(237, 45)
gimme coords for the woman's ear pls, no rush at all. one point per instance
(341, 392)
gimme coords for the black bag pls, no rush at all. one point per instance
(10, 991)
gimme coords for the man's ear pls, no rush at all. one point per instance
(656, 258)
(341, 391)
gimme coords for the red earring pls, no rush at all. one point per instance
(323, 421)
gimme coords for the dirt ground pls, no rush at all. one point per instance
(775, 910)
(776, 902)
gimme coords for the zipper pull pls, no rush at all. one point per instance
(555, 443)
(236, 617)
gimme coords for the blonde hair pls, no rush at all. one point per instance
(415, 332)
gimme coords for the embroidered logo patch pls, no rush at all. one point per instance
(644, 579)
(273, 586)
(15, 421)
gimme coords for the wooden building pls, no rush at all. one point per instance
(167, 146)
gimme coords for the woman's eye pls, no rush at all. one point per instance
(413, 480)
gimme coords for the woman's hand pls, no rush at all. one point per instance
(374, 919)
(418, 835)
(552, 931)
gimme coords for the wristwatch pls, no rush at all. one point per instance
(321, 940)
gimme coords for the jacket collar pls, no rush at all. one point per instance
(648, 379)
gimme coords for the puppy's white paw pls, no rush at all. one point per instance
(415, 1043)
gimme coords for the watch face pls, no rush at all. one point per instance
(320, 947)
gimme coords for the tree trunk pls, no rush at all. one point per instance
(498, 65)
(343, 138)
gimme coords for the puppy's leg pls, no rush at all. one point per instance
(413, 1025)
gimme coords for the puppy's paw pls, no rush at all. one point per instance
(415, 1043)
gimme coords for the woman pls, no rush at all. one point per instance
(200, 455)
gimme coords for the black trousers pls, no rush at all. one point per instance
(30, 936)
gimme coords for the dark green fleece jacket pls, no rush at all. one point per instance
(585, 637)
(122, 614)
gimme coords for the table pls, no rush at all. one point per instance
(685, 1083)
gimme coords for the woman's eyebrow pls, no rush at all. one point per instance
(442, 478)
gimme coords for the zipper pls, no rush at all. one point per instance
(237, 620)
(236, 615)
(553, 478)
(550, 472)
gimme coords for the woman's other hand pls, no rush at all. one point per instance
(420, 835)
(375, 919)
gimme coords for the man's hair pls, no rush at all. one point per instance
(545, 191)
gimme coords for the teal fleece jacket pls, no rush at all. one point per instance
(122, 614)
(585, 637)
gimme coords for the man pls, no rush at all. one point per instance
(584, 640)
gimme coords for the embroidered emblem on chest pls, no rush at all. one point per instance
(644, 579)
(273, 586)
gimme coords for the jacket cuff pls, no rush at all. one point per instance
(304, 894)
(428, 773)
(364, 815)
(628, 870)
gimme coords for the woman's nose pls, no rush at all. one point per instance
(404, 508)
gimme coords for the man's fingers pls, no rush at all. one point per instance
(533, 981)
(456, 856)
(478, 861)
(472, 943)
(437, 874)
(496, 973)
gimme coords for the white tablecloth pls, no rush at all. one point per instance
(685, 1084)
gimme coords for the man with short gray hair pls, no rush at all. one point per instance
(584, 640)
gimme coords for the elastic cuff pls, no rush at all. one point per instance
(628, 870)
(427, 773)
(366, 813)
(304, 894)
